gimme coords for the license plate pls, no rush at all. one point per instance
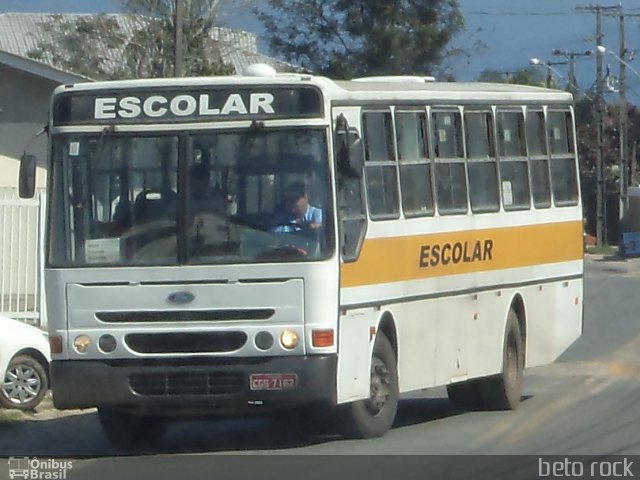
(273, 381)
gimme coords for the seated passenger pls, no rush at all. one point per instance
(298, 214)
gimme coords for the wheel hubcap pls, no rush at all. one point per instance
(380, 386)
(21, 384)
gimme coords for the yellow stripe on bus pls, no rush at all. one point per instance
(394, 259)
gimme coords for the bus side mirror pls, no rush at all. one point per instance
(27, 179)
(349, 155)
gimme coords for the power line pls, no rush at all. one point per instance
(517, 14)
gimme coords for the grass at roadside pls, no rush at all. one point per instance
(602, 250)
(10, 417)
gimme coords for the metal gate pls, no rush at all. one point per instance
(21, 257)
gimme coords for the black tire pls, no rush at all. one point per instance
(25, 383)
(504, 391)
(373, 417)
(466, 395)
(128, 431)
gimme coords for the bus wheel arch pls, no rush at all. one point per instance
(373, 417)
(387, 326)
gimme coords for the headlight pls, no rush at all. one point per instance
(289, 339)
(107, 343)
(81, 343)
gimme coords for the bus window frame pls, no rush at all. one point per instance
(455, 110)
(388, 163)
(522, 158)
(490, 158)
(537, 109)
(345, 173)
(428, 159)
(563, 156)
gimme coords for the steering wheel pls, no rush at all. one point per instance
(289, 227)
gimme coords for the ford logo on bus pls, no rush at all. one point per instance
(181, 297)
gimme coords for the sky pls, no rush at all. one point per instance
(501, 35)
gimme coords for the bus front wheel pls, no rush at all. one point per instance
(503, 391)
(374, 416)
(129, 431)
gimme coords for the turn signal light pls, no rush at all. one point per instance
(55, 343)
(322, 338)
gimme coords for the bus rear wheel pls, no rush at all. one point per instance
(374, 416)
(130, 431)
(504, 391)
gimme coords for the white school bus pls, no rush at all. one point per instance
(256, 243)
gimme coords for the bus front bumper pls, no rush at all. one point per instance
(195, 386)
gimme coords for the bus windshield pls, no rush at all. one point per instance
(214, 197)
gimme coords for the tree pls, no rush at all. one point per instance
(349, 38)
(139, 44)
(525, 76)
(96, 35)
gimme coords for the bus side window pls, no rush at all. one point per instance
(564, 175)
(415, 167)
(481, 162)
(450, 173)
(380, 166)
(538, 159)
(514, 172)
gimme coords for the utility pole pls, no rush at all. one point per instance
(178, 63)
(549, 65)
(571, 59)
(623, 123)
(601, 199)
(623, 111)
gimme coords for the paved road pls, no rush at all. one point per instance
(584, 404)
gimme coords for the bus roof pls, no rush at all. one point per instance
(386, 88)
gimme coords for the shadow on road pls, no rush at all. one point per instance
(79, 436)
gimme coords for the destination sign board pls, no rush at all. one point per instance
(186, 105)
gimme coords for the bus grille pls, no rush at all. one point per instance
(186, 382)
(185, 315)
(197, 342)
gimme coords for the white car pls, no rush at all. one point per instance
(24, 364)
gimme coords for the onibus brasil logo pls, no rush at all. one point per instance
(35, 469)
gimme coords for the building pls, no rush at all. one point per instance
(26, 87)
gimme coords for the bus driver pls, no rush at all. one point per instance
(298, 214)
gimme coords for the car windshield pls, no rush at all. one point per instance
(202, 198)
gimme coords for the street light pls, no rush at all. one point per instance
(603, 49)
(549, 66)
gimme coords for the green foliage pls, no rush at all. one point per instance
(525, 76)
(95, 35)
(151, 50)
(350, 38)
(140, 45)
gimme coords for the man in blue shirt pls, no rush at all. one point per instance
(298, 214)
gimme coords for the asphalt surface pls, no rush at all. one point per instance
(585, 404)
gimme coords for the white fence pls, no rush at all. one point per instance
(21, 257)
